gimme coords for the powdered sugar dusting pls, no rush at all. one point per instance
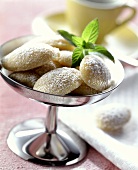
(95, 73)
(112, 116)
(29, 56)
(60, 81)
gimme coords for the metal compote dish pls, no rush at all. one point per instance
(43, 141)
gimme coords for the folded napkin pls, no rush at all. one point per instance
(121, 147)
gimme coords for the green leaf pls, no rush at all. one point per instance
(78, 41)
(89, 45)
(77, 56)
(103, 51)
(86, 52)
(91, 31)
(67, 36)
(86, 43)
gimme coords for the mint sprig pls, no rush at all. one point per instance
(104, 51)
(91, 31)
(78, 55)
(85, 44)
(67, 36)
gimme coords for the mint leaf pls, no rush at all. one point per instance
(86, 52)
(67, 36)
(86, 43)
(77, 56)
(103, 51)
(91, 31)
(78, 41)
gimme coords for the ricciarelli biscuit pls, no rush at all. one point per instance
(111, 117)
(60, 81)
(95, 73)
(65, 58)
(55, 41)
(28, 57)
(84, 89)
(50, 65)
(27, 78)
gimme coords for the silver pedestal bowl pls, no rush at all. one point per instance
(47, 141)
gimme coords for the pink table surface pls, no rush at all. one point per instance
(15, 20)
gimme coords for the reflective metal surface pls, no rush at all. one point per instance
(117, 72)
(28, 140)
(41, 141)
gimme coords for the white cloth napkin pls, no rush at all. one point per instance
(121, 148)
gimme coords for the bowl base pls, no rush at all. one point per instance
(29, 141)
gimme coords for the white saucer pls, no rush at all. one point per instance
(44, 24)
(123, 41)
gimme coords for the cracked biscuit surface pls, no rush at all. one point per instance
(84, 89)
(60, 81)
(65, 58)
(29, 56)
(50, 65)
(111, 117)
(95, 73)
(55, 41)
(27, 78)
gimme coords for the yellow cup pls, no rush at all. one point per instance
(109, 13)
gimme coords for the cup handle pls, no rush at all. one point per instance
(133, 12)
